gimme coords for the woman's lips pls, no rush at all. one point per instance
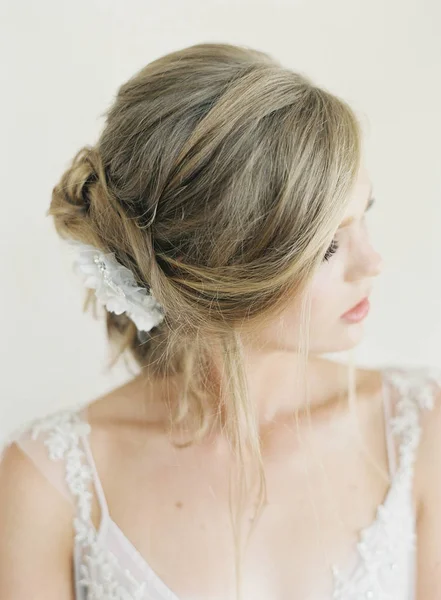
(358, 312)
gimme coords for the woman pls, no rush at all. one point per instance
(220, 219)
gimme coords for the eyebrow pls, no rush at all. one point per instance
(349, 220)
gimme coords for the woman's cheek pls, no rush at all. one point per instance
(322, 294)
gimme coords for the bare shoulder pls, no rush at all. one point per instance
(36, 537)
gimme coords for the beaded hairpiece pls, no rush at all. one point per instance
(115, 286)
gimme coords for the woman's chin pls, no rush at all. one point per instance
(352, 335)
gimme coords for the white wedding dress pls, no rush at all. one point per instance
(108, 567)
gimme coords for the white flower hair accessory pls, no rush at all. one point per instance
(115, 286)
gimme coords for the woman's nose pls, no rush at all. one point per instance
(375, 264)
(366, 263)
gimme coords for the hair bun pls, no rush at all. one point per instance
(78, 189)
(77, 180)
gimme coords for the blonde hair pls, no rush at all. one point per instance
(219, 179)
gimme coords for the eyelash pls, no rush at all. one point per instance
(331, 250)
(334, 244)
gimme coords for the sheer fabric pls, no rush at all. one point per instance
(108, 567)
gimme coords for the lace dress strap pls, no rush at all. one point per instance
(59, 446)
(390, 442)
(52, 443)
(386, 549)
(408, 392)
(64, 436)
(90, 461)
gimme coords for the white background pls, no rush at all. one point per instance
(62, 63)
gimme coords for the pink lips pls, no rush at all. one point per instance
(358, 312)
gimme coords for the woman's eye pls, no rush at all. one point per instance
(331, 250)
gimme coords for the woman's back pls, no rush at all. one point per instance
(159, 520)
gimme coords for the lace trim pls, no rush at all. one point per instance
(381, 546)
(387, 542)
(99, 566)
